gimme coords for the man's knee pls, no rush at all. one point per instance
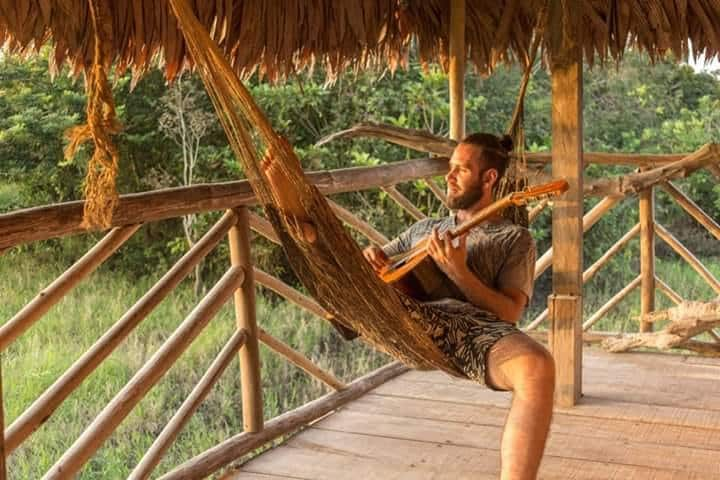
(536, 371)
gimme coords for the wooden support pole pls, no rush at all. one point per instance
(681, 250)
(404, 202)
(299, 360)
(54, 292)
(590, 219)
(668, 291)
(252, 404)
(42, 408)
(692, 208)
(565, 304)
(602, 311)
(647, 256)
(145, 378)
(168, 435)
(233, 448)
(592, 270)
(456, 70)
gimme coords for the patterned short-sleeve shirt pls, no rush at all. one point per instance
(500, 253)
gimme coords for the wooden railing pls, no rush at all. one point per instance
(239, 282)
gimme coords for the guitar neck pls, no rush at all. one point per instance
(479, 217)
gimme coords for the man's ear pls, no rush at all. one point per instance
(489, 177)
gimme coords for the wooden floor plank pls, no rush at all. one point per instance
(608, 429)
(622, 449)
(246, 475)
(607, 406)
(643, 416)
(328, 455)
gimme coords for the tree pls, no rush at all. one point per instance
(186, 123)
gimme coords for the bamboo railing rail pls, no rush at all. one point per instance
(299, 360)
(290, 294)
(611, 303)
(691, 207)
(43, 407)
(589, 219)
(121, 405)
(358, 224)
(668, 291)
(592, 270)
(156, 451)
(681, 250)
(212, 460)
(54, 292)
(537, 209)
(404, 202)
(435, 189)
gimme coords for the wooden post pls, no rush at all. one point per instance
(252, 404)
(565, 304)
(456, 69)
(647, 256)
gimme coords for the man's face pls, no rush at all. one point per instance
(466, 180)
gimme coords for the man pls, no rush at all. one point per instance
(490, 273)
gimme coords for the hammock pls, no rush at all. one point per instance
(332, 267)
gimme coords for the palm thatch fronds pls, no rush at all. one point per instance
(279, 38)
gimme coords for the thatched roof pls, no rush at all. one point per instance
(283, 36)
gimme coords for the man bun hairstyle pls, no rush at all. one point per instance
(494, 150)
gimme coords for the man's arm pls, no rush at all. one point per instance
(507, 302)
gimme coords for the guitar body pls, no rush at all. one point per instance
(424, 281)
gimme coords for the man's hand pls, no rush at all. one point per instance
(376, 257)
(450, 259)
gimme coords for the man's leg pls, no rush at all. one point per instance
(518, 363)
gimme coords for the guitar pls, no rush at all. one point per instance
(414, 272)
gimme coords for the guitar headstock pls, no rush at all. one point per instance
(546, 190)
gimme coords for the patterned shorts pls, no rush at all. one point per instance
(465, 334)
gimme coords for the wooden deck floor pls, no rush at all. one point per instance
(643, 416)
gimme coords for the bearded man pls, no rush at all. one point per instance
(490, 274)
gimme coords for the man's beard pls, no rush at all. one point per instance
(465, 200)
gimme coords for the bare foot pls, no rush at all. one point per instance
(288, 201)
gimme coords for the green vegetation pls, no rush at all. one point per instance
(639, 108)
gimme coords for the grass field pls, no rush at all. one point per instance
(37, 358)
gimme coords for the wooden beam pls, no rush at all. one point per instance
(120, 406)
(299, 360)
(681, 250)
(54, 292)
(217, 457)
(617, 298)
(456, 70)
(44, 406)
(692, 208)
(537, 209)
(168, 435)
(435, 188)
(647, 255)
(249, 355)
(50, 221)
(565, 304)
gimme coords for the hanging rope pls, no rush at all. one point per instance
(515, 178)
(101, 196)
